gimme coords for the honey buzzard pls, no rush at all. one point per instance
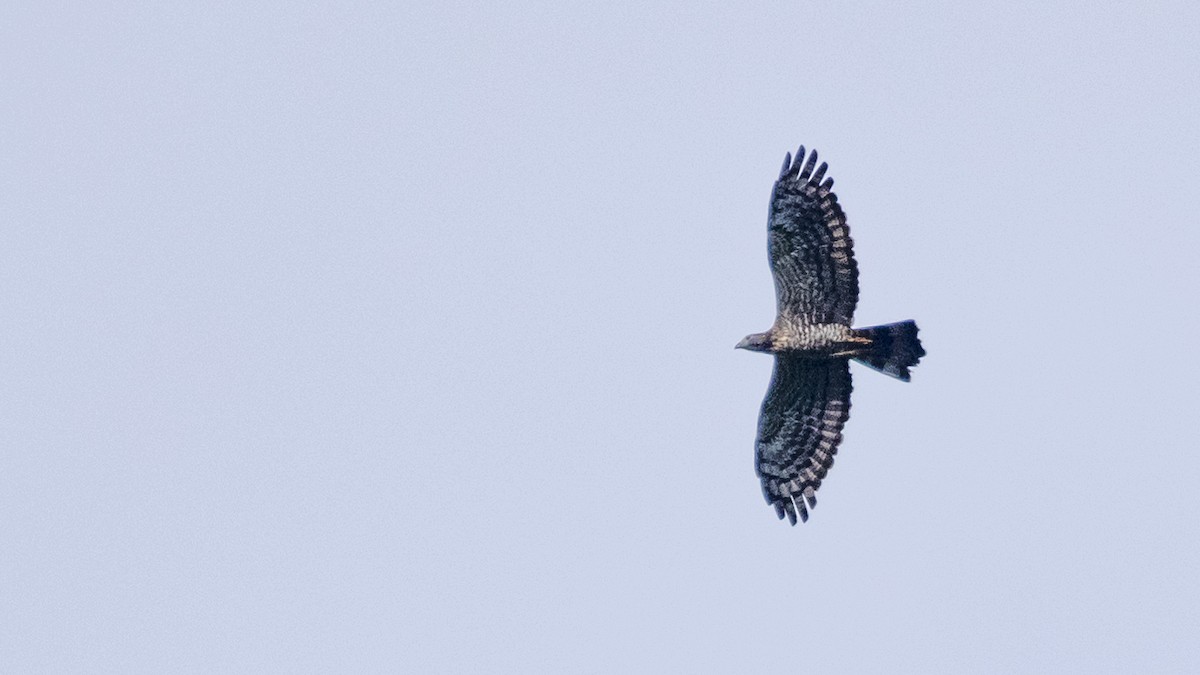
(816, 289)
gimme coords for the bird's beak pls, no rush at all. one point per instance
(742, 344)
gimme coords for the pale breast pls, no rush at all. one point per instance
(822, 337)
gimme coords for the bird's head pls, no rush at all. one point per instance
(758, 342)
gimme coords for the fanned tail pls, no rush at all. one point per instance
(894, 348)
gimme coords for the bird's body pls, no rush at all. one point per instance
(816, 290)
(819, 340)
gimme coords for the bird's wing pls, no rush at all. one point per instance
(816, 278)
(799, 429)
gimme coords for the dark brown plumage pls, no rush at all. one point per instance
(816, 291)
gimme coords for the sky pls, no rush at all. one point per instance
(398, 337)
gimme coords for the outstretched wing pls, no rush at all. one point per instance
(799, 429)
(816, 278)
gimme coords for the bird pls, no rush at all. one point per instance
(812, 339)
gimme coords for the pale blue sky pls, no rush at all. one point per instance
(370, 338)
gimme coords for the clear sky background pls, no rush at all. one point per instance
(373, 337)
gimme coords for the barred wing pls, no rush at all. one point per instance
(799, 429)
(816, 278)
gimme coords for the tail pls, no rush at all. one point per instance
(894, 348)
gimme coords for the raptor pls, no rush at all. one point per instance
(816, 290)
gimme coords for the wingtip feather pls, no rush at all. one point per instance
(789, 507)
(816, 178)
(808, 166)
(801, 507)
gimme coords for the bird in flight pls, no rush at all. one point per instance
(816, 290)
